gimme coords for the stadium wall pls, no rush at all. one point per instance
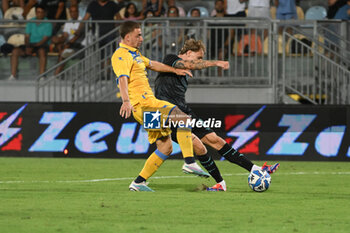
(95, 130)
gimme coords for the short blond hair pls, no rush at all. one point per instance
(192, 45)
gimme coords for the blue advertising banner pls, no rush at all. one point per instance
(262, 132)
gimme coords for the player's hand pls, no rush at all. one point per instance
(223, 64)
(125, 110)
(183, 72)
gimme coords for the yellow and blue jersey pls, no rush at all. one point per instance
(128, 61)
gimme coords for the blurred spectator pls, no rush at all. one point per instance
(235, 8)
(182, 12)
(153, 5)
(195, 12)
(193, 30)
(286, 9)
(344, 12)
(219, 36)
(152, 38)
(258, 8)
(334, 6)
(36, 41)
(6, 4)
(102, 10)
(219, 10)
(56, 9)
(69, 42)
(174, 36)
(131, 12)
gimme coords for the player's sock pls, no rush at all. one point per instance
(209, 164)
(139, 179)
(152, 164)
(189, 160)
(184, 138)
(234, 156)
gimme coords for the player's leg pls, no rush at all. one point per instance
(232, 155)
(192, 167)
(183, 134)
(154, 161)
(208, 163)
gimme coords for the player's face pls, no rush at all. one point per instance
(135, 38)
(191, 55)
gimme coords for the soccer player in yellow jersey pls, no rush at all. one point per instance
(138, 98)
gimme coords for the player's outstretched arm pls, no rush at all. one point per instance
(200, 64)
(160, 67)
(126, 108)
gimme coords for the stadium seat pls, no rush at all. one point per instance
(16, 40)
(204, 11)
(14, 13)
(2, 40)
(249, 43)
(295, 49)
(82, 10)
(319, 48)
(31, 13)
(273, 12)
(280, 45)
(300, 13)
(316, 13)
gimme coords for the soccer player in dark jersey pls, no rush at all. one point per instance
(172, 88)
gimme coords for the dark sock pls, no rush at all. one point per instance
(139, 179)
(209, 164)
(234, 156)
(189, 160)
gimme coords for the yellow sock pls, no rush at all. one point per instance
(154, 161)
(184, 138)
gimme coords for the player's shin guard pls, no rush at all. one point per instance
(184, 138)
(154, 161)
(234, 156)
(209, 164)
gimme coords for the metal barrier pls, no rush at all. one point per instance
(309, 71)
(233, 40)
(309, 59)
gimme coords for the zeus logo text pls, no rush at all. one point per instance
(130, 138)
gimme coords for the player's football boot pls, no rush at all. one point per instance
(270, 168)
(194, 169)
(139, 187)
(218, 187)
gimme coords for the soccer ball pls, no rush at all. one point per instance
(259, 181)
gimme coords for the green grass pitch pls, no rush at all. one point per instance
(91, 195)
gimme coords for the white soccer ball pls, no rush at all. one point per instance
(259, 180)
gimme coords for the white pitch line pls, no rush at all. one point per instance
(161, 177)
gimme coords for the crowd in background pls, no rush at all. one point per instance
(65, 38)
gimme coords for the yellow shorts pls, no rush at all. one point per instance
(152, 104)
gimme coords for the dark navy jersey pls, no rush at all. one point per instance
(170, 86)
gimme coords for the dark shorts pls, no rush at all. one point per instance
(200, 132)
(36, 48)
